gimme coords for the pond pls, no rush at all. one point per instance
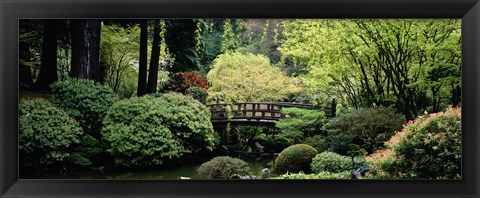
(170, 173)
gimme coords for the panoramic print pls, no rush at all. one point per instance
(200, 99)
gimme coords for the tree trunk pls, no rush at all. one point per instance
(48, 65)
(153, 72)
(86, 50)
(456, 95)
(142, 71)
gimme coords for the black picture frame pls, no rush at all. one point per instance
(12, 10)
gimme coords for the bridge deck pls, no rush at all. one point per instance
(263, 114)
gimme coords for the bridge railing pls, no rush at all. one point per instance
(256, 110)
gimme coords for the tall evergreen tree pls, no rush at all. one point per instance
(48, 65)
(86, 50)
(142, 73)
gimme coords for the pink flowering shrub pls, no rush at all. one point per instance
(428, 147)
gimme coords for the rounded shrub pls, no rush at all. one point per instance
(149, 130)
(367, 127)
(428, 147)
(335, 163)
(46, 133)
(84, 100)
(294, 159)
(224, 167)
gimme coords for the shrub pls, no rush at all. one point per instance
(197, 93)
(245, 138)
(148, 130)
(224, 167)
(84, 100)
(46, 133)
(294, 159)
(300, 123)
(428, 147)
(320, 175)
(180, 82)
(368, 128)
(88, 151)
(272, 143)
(317, 142)
(335, 163)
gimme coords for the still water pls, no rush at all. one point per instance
(165, 173)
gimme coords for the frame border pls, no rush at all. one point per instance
(11, 11)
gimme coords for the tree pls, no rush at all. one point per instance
(208, 37)
(248, 77)
(230, 40)
(154, 59)
(262, 36)
(142, 72)
(48, 66)
(180, 39)
(411, 65)
(30, 37)
(86, 50)
(119, 46)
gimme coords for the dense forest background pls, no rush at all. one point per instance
(411, 65)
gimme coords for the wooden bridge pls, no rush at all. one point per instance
(256, 114)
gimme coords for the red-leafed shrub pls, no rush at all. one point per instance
(180, 82)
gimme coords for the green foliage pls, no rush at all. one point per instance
(294, 159)
(335, 163)
(119, 46)
(197, 93)
(248, 77)
(208, 36)
(300, 123)
(148, 130)
(377, 62)
(317, 141)
(272, 143)
(230, 40)
(368, 128)
(29, 54)
(261, 36)
(128, 86)
(84, 100)
(88, 151)
(224, 167)
(46, 134)
(180, 39)
(246, 137)
(427, 148)
(320, 175)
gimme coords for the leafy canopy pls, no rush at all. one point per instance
(249, 77)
